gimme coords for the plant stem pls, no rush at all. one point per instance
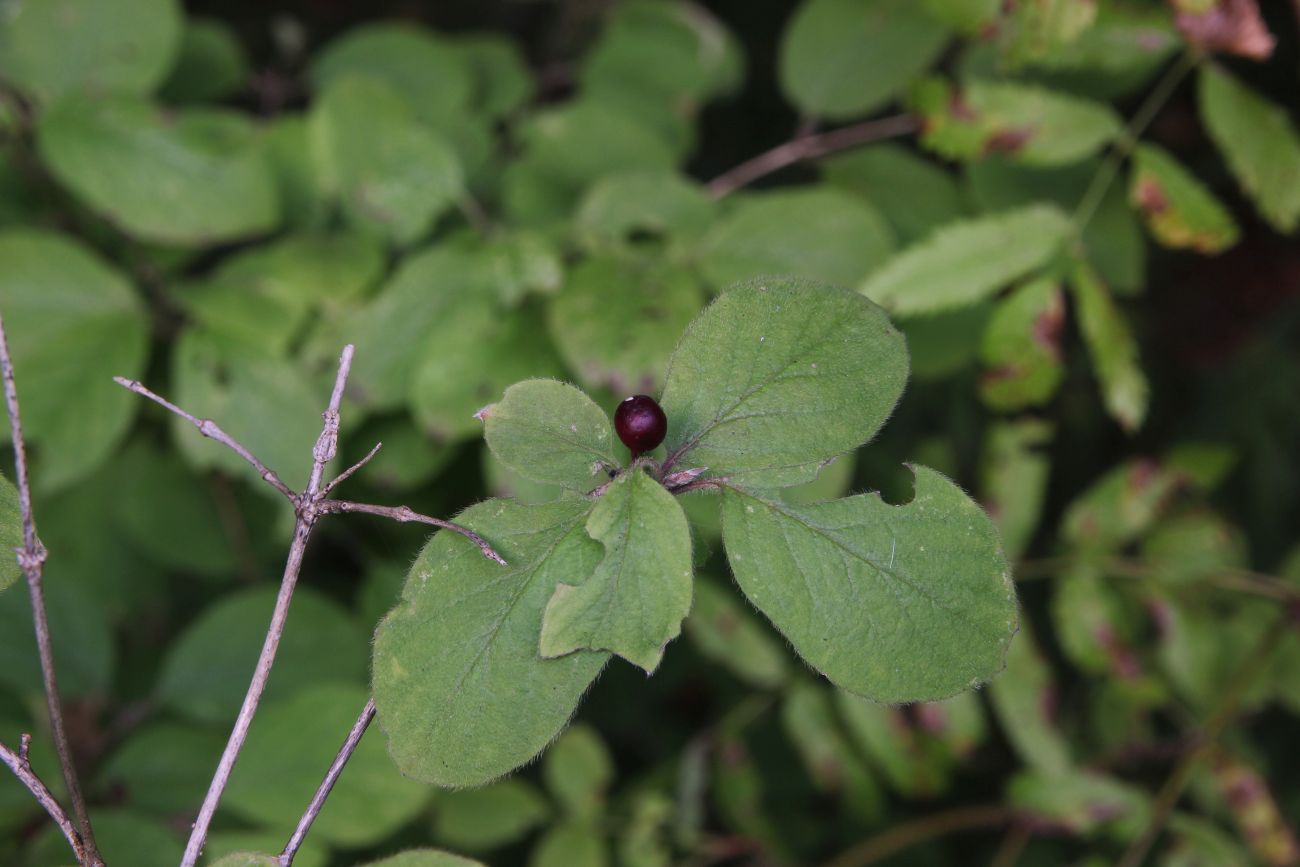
(305, 506)
(22, 768)
(1231, 698)
(31, 557)
(1237, 580)
(1128, 139)
(808, 147)
(331, 777)
(908, 834)
(405, 514)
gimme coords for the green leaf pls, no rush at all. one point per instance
(585, 140)
(186, 176)
(1021, 348)
(674, 53)
(844, 58)
(830, 760)
(619, 206)
(778, 376)
(206, 670)
(970, 17)
(408, 460)
(1194, 546)
(578, 771)
(570, 845)
(944, 344)
(817, 233)
(501, 79)
(1259, 143)
(1013, 479)
(1033, 31)
(164, 768)
(550, 431)
(1112, 348)
(1029, 124)
(391, 174)
(469, 355)
(93, 47)
(211, 64)
(1180, 212)
(73, 322)
(462, 694)
(248, 844)
(1122, 504)
(84, 654)
(11, 533)
(726, 632)
(424, 858)
(1024, 700)
(915, 195)
(897, 603)
(482, 819)
(291, 741)
(634, 603)
(968, 260)
(428, 74)
(909, 762)
(1080, 802)
(616, 320)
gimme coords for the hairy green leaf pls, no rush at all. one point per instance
(189, 176)
(778, 376)
(634, 603)
(1179, 210)
(968, 260)
(842, 58)
(894, 603)
(391, 174)
(819, 233)
(1112, 347)
(92, 47)
(73, 322)
(1259, 143)
(461, 692)
(550, 431)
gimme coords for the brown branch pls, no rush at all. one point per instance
(331, 777)
(809, 147)
(908, 834)
(1223, 713)
(406, 514)
(346, 474)
(31, 557)
(22, 768)
(211, 430)
(305, 507)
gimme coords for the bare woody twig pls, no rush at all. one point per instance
(31, 557)
(309, 506)
(305, 507)
(212, 430)
(331, 777)
(406, 514)
(22, 768)
(809, 147)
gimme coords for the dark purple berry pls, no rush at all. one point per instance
(640, 423)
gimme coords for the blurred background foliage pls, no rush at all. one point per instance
(1084, 219)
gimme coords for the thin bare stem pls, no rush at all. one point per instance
(306, 508)
(405, 514)
(908, 834)
(347, 474)
(31, 557)
(1223, 713)
(22, 768)
(331, 777)
(211, 430)
(1237, 580)
(809, 147)
(1151, 106)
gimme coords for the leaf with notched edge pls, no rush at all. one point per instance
(894, 603)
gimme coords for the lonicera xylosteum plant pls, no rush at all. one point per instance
(478, 668)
